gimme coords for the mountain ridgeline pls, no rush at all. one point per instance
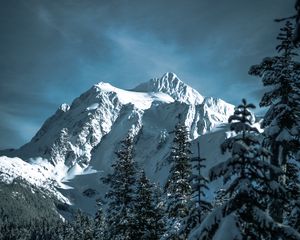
(73, 138)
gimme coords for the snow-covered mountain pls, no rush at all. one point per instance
(80, 139)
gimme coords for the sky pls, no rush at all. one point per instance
(51, 51)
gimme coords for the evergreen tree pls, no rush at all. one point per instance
(83, 226)
(293, 193)
(149, 215)
(201, 207)
(69, 232)
(249, 187)
(220, 198)
(178, 188)
(159, 203)
(121, 223)
(282, 120)
(99, 223)
(296, 39)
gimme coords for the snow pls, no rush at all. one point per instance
(64, 107)
(34, 174)
(93, 107)
(138, 99)
(76, 145)
(170, 84)
(228, 229)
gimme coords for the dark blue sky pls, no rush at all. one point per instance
(53, 50)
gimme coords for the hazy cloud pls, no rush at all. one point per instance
(53, 50)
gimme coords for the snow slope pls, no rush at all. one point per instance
(151, 155)
(38, 175)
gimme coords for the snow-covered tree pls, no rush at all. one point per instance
(293, 192)
(281, 74)
(220, 198)
(148, 214)
(201, 206)
(121, 222)
(249, 187)
(178, 188)
(99, 223)
(83, 226)
(69, 232)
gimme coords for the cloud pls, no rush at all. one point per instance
(15, 130)
(52, 51)
(142, 52)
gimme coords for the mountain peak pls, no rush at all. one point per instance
(170, 77)
(104, 86)
(170, 84)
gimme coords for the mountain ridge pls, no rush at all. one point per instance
(81, 138)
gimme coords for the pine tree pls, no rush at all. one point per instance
(178, 188)
(83, 226)
(69, 230)
(148, 214)
(296, 39)
(296, 35)
(201, 207)
(99, 223)
(159, 203)
(122, 182)
(282, 120)
(293, 193)
(249, 187)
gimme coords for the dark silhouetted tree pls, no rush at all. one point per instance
(148, 213)
(121, 222)
(99, 223)
(282, 121)
(178, 188)
(281, 73)
(201, 206)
